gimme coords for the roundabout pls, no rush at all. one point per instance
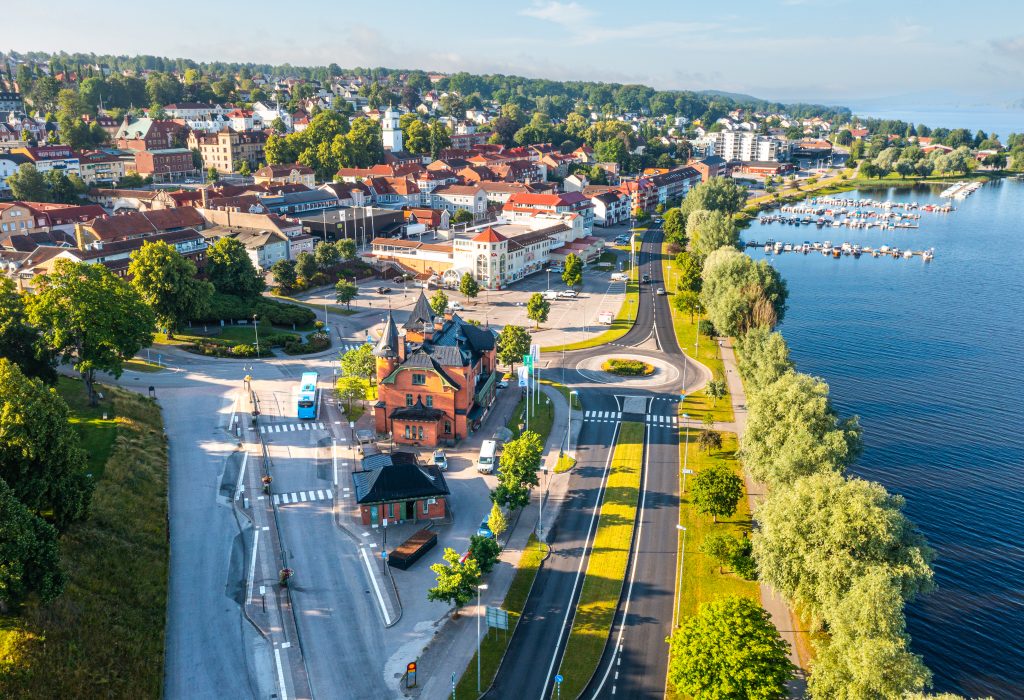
(654, 371)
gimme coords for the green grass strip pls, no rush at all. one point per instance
(606, 568)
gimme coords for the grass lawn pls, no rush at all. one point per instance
(565, 463)
(702, 579)
(495, 642)
(139, 365)
(541, 419)
(229, 335)
(606, 568)
(696, 404)
(104, 637)
(619, 327)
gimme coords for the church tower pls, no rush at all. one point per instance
(392, 133)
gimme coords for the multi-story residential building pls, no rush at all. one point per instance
(673, 185)
(100, 169)
(148, 134)
(709, 167)
(563, 203)
(267, 114)
(11, 102)
(747, 146)
(227, 149)
(166, 164)
(50, 158)
(265, 247)
(290, 174)
(471, 198)
(435, 382)
(610, 206)
(194, 110)
(9, 164)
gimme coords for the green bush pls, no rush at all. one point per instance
(243, 350)
(276, 340)
(627, 368)
(707, 328)
(280, 313)
(315, 343)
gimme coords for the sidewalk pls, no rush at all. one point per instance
(782, 616)
(452, 648)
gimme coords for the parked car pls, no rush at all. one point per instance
(568, 294)
(383, 290)
(441, 460)
(661, 291)
(550, 294)
(485, 530)
(557, 268)
(455, 306)
(503, 384)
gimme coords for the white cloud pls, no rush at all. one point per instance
(565, 14)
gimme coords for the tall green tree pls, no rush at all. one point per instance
(29, 555)
(717, 194)
(28, 184)
(513, 344)
(485, 550)
(456, 580)
(688, 302)
(359, 362)
(688, 268)
(675, 227)
(284, 274)
(823, 532)
(710, 230)
(41, 458)
(729, 649)
(19, 341)
(305, 266)
(469, 286)
(166, 281)
(93, 319)
(230, 269)
(327, 256)
(345, 291)
(439, 302)
(462, 216)
(740, 294)
(763, 357)
(497, 521)
(346, 249)
(572, 275)
(716, 491)
(792, 431)
(537, 309)
(520, 460)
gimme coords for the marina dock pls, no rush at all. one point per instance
(828, 249)
(960, 190)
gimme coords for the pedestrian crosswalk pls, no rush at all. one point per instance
(290, 427)
(662, 420)
(284, 499)
(603, 416)
(345, 347)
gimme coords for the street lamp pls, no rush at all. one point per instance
(256, 327)
(544, 491)
(682, 558)
(481, 587)
(686, 453)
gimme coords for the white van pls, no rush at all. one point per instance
(488, 458)
(619, 277)
(550, 294)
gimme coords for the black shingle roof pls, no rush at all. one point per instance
(397, 477)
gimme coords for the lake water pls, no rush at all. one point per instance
(1001, 121)
(931, 357)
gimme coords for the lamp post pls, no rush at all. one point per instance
(682, 558)
(686, 454)
(481, 587)
(256, 327)
(543, 493)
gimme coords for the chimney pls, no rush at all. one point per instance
(206, 198)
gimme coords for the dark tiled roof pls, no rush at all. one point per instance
(418, 412)
(387, 346)
(421, 313)
(397, 477)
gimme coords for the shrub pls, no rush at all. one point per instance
(279, 313)
(707, 328)
(243, 350)
(627, 368)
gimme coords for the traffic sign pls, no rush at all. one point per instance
(528, 361)
(558, 678)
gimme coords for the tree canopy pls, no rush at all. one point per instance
(167, 282)
(230, 269)
(537, 309)
(513, 344)
(469, 286)
(572, 275)
(520, 460)
(763, 357)
(740, 294)
(359, 362)
(93, 319)
(710, 230)
(716, 491)
(19, 341)
(844, 529)
(456, 580)
(729, 649)
(719, 194)
(29, 555)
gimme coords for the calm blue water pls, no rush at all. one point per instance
(929, 355)
(1001, 121)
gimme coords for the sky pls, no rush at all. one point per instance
(937, 53)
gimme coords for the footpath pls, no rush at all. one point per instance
(453, 646)
(775, 604)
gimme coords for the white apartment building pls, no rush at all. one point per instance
(746, 146)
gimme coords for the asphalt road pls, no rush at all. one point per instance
(644, 617)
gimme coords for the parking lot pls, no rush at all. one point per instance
(570, 320)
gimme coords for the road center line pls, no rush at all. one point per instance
(241, 472)
(376, 588)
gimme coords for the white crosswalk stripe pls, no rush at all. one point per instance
(303, 497)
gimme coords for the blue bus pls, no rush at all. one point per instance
(309, 395)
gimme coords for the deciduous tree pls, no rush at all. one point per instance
(41, 459)
(485, 550)
(439, 302)
(345, 291)
(359, 362)
(520, 460)
(456, 580)
(92, 318)
(29, 555)
(717, 194)
(231, 271)
(729, 649)
(284, 274)
(513, 344)
(537, 309)
(497, 520)
(823, 532)
(305, 266)
(740, 294)
(28, 185)
(572, 275)
(469, 286)
(763, 357)
(19, 341)
(346, 249)
(167, 281)
(716, 491)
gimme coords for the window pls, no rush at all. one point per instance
(408, 399)
(447, 428)
(430, 402)
(426, 506)
(408, 432)
(421, 432)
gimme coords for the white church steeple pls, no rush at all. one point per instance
(392, 133)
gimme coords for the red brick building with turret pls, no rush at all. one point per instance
(436, 381)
